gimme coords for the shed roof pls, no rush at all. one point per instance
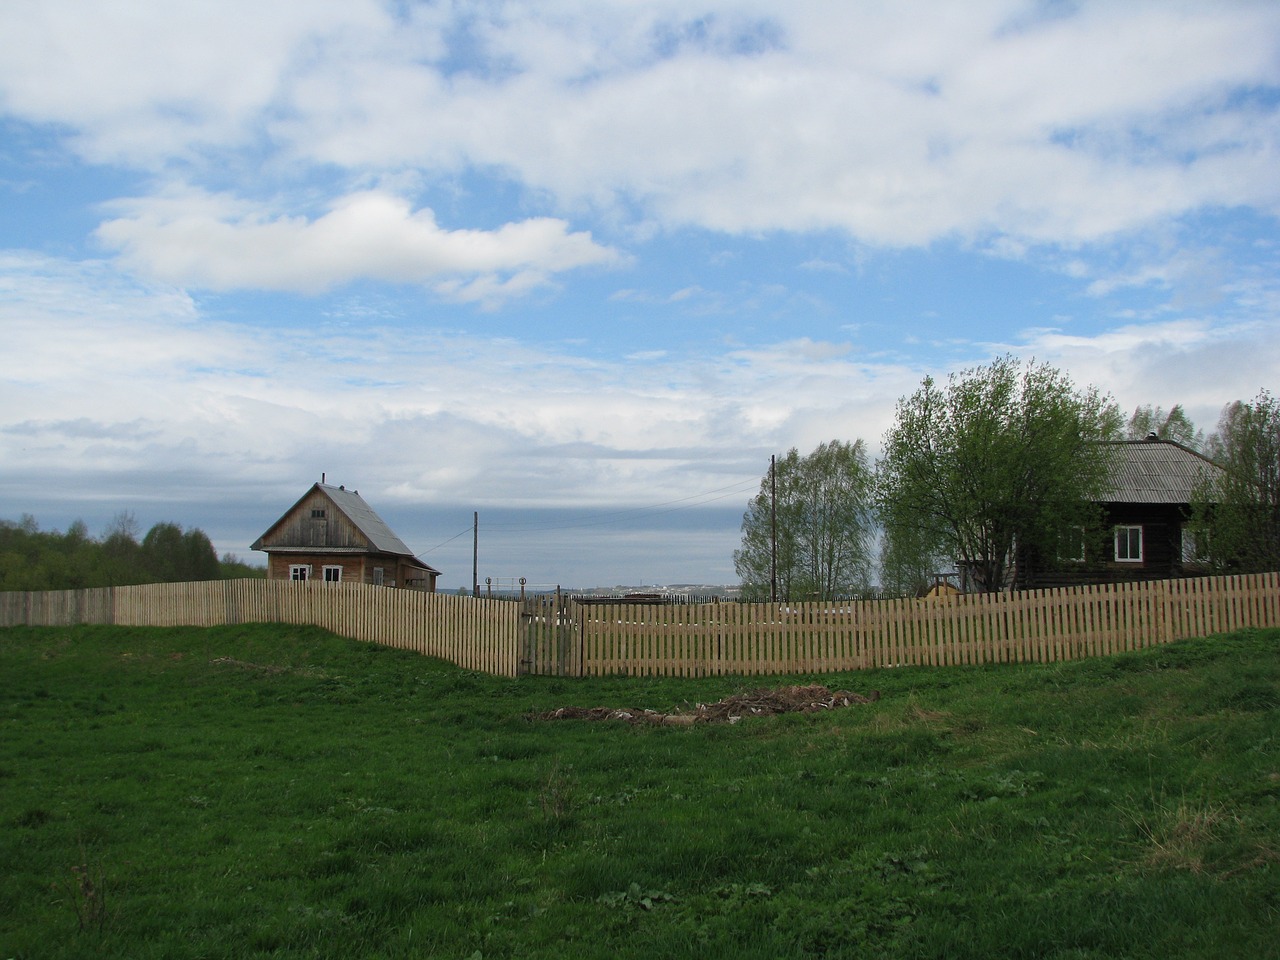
(1157, 471)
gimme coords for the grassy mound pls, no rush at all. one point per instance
(277, 791)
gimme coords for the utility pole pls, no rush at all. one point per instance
(475, 554)
(773, 528)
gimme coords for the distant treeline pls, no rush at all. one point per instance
(34, 559)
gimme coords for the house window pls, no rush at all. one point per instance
(377, 576)
(299, 571)
(317, 514)
(1129, 544)
(332, 574)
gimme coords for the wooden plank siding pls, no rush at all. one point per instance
(556, 636)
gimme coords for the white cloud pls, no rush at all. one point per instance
(488, 151)
(159, 389)
(219, 243)
(896, 125)
(142, 82)
(113, 392)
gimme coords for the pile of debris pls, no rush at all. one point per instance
(756, 703)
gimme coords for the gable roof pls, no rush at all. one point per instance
(362, 516)
(1157, 471)
(365, 519)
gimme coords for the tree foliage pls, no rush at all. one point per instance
(1001, 461)
(1241, 510)
(1173, 425)
(32, 559)
(910, 557)
(825, 526)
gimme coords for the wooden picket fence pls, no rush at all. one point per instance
(1041, 626)
(557, 636)
(474, 633)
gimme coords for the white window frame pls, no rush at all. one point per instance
(300, 571)
(336, 570)
(1129, 531)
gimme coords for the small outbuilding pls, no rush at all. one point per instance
(331, 534)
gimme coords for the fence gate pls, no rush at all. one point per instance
(552, 638)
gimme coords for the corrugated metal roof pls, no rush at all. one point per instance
(1157, 471)
(368, 522)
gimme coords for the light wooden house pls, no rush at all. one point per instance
(331, 534)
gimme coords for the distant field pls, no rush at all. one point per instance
(275, 791)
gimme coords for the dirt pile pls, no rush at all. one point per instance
(756, 703)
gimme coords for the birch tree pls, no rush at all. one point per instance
(825, 526)
(1240, 511)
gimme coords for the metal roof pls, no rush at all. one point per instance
(366, 520)
(1157, 471)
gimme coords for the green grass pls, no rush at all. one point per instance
(271, 791)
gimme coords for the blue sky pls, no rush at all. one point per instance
(581, 267)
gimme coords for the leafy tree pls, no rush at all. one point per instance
(200, 559)
(231, 567)
(162, 553)
(171, 556)
(1174, 425)
(909, 558)
(121, 554)
(33, 559)
(1240, 512)
(825, 525)
(1001, 462)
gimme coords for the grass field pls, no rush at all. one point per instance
(272, 791)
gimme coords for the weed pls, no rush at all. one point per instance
(557, 797)
(636, 898)
(87, 893)
(1179, 836)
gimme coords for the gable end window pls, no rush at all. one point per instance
(299, 571)
(1128, 544)
(317, 514)
(332, 574)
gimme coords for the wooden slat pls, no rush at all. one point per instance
(564, 638)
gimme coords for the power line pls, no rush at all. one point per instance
(445, 543)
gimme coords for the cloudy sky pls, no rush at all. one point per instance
(581, 266)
